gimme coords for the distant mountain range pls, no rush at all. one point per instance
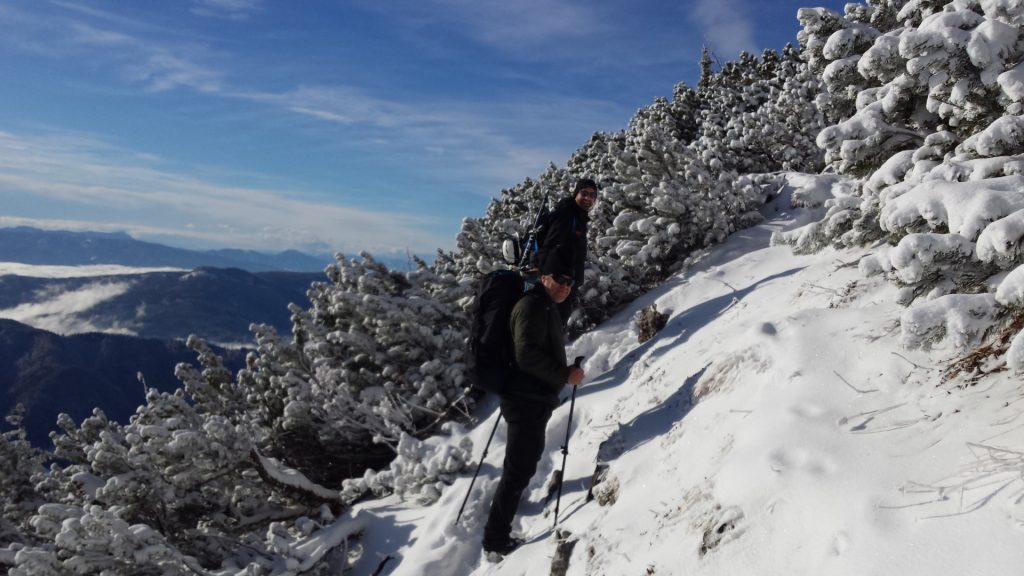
(51, 374)
(56, 247)
(63, 248)
(218, 296)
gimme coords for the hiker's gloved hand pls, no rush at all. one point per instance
(575, 376)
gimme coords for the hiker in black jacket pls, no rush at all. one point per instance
(538, 336)
(566, 232)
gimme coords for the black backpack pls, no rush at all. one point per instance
(491, 336)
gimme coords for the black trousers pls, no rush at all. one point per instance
(527, 421)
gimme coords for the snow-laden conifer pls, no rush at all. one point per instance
(18, 498)
(934, 147)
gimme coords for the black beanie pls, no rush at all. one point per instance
(583, 184)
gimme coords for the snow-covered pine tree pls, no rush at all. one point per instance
(783, 128)
(18, 497)
(181, 489)
(707, 68)
(385, 353)
(940, 143)
(834, 46)
(646, 203)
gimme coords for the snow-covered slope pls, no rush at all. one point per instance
(775, 426)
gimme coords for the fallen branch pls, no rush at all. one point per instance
(730, 286)
(912, 363)
(852, 387)
(274, 472)
(846, 264)
(823, 288)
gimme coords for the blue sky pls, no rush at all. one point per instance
(327, 125)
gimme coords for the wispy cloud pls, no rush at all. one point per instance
(160, 70)
(591, 37)
(447, 142)
(92, 36)
(340, 104)
(521, 27)
(82, 175)
(726, 26)
(497, 141)
(64, 312)
(467, 134)
(140, 52)
(508, 24)
(230, 9)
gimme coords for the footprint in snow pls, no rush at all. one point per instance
(808, 410)
(798, 459)
(840, 542)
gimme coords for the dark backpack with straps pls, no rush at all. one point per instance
(491, 336)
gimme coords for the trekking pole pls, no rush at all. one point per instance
(541, 211)
(565, 447)
(478, 466)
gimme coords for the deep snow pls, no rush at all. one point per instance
(775, 426)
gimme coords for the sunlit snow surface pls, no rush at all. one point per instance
(775, 426)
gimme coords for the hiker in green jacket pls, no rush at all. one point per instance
(538, 335)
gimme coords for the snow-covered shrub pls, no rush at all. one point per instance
(963, 319)
(954, 207)
(839, 216)
(842, 50)
(919, 256)
(1000, 242)
(180, 489)
(933, 126)
(419, 472)
(841, 208)
(1010, 292)
(18, 496)
(95, 540)
(943, 70)
(386, 351)
(876, 263)
(1003, 137)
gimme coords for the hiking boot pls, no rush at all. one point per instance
(495, 552)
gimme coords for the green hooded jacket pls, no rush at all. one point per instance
(539, 340)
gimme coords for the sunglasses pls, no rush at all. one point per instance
(588, 193)
(564, 280)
